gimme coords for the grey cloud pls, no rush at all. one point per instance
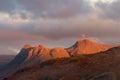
(6, 5)
(13, 9)
(110, 10)
(56, 22)
(69, 29)
(59, 29)
(56, 8)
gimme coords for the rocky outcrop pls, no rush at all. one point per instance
(87, 47)
(26, 46)
(59, 53)
(41, 52)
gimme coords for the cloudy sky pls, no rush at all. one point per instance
(57, 22)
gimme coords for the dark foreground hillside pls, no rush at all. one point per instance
(101, 66)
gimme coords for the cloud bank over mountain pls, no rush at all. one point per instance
(48, 20)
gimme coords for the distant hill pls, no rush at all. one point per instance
(5, 59)
(101, 66)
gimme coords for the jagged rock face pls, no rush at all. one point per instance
(41, 52)
(87, 47)
(59, 53)
(44, 53)
(34, 55)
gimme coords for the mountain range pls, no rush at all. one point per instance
(31, 56)
(101, 66)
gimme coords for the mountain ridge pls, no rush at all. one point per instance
(43, 53)
(87, 47)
